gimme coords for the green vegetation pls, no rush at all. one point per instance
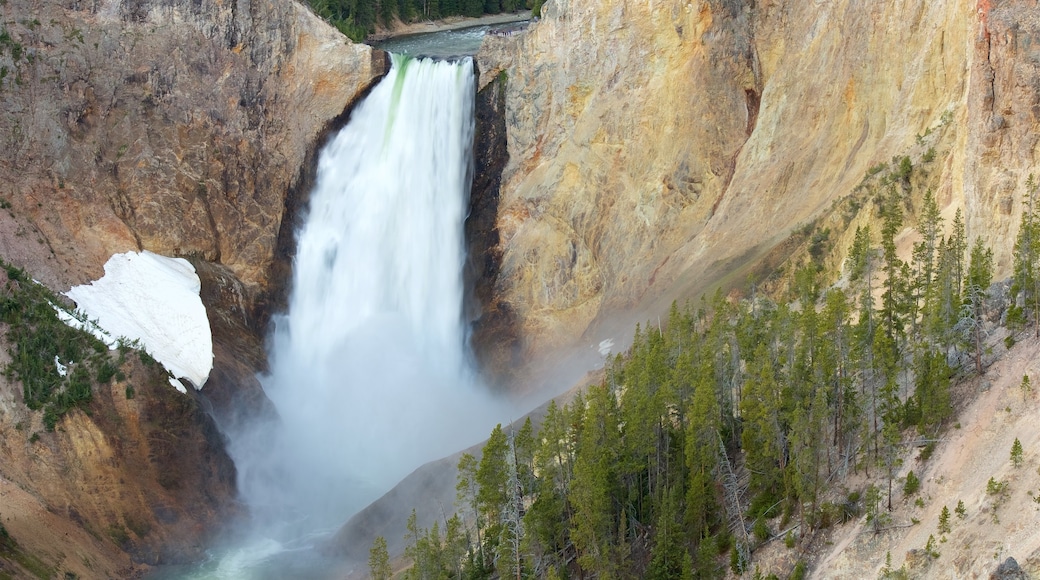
(9, 45)
(944, 521)
(739, 421)
(40, 342)
(379, 560)
(1016, 453)
(1025, 281)
(734, 422)
(998, 490)
(912, 484)
(10, 550)
(929, 547)
(358, 18)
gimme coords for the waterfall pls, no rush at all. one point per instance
(370, 373)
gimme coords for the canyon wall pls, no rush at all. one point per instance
(188, 128)
(659, 149)
(172, 126)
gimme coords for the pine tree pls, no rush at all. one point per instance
(976, 284)
(925, 254)
(944, 521)
(467, 489)
(1016, 453)
(894, 288)
(379, 560)
(932, 388)
(859, 253)
(456, 545)
(762, 440)
(958, 248)
(835, 368)
(1025, 287)
(595, 485)
(667, 552)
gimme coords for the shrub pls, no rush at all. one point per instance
(760, 529)
(912, 484)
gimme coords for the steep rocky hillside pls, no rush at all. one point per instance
(138, 476)
(187, 129)
(656, 149)
(177, 127)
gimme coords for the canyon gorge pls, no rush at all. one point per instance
(626, 154)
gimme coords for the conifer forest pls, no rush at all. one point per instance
(742, 418)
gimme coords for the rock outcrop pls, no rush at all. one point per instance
(657, 149)
(1003, 119)
(142, 470)
(174, 126)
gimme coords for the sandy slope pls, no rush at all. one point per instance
(34, 527)
(960, 468)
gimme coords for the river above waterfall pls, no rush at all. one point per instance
(447, 44)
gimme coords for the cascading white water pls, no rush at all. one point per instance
(369, 368)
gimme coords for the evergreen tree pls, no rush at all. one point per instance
(932, 388)
(667, 553)
(388, 9)
(925, 255)
(763, 439)
(379, 560)
(595, 486)
(976, 284)
(894, 294)
(958, 248)
(1016, 453)
(467, 488)
(1025, 287)
(859, 253)
(510, 561)
(835, 370)
(703, 440)
(944, 521)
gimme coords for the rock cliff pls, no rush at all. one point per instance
(658, 149)
(172, 126)
(141, 471)
(184, 128)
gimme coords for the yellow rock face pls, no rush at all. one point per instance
(658, 147)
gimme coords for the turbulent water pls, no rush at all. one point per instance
(369, 369)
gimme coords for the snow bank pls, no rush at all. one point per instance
(153, 299)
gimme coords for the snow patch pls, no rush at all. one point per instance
(153, 299)
(175, 383)
(63, 370)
